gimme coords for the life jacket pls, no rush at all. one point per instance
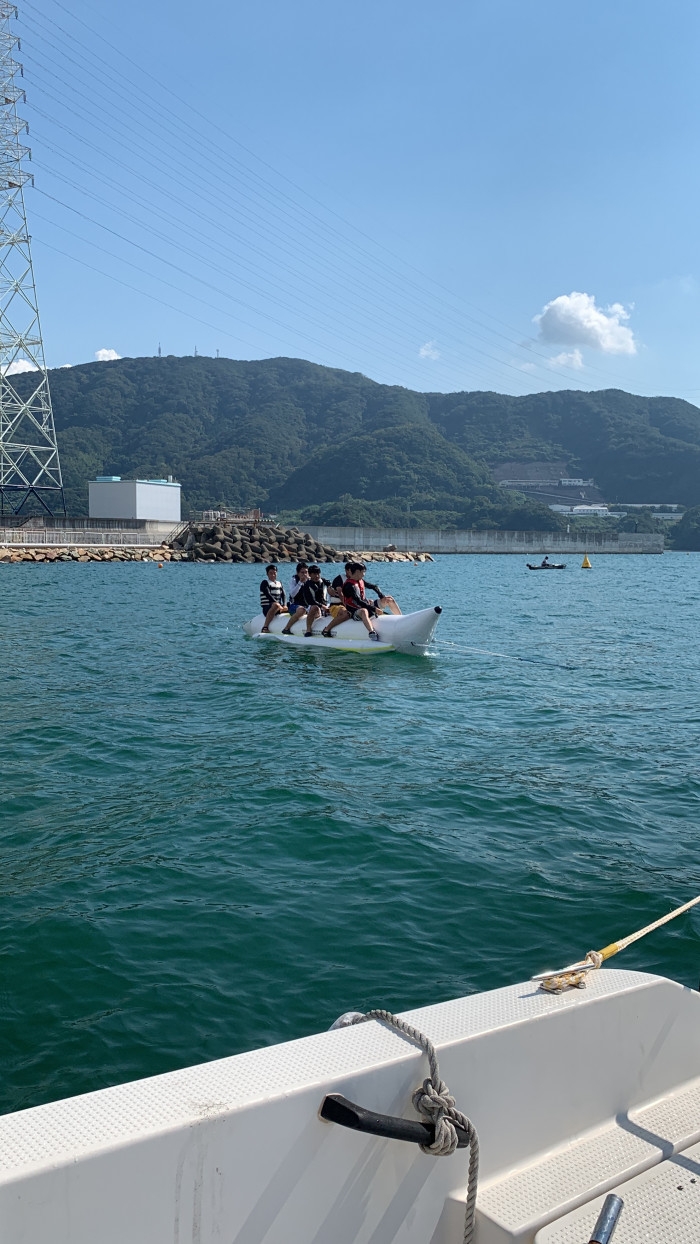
(350, 587)
(274, 590)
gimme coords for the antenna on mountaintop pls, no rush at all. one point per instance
(29, 465)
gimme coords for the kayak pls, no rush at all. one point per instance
(553, 566)
(406, 632)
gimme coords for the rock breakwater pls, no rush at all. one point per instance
(94, 553)
(226, 542)
(207, 542)
(217, 542)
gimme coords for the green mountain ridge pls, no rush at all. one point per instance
(289, 435)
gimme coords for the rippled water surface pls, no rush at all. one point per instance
(210, 843)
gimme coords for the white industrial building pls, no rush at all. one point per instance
(155, 500)
(587, 511)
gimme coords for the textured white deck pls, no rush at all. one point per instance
(521, 1200)
(660, 1207)
(235, 1151)
(78, 1126)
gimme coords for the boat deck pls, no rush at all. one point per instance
(515, 1206)
(572, 1095)
(662, 1206)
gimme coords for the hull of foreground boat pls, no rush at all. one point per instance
(572, 1096)
(407, 632)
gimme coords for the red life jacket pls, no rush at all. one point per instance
(350, 589)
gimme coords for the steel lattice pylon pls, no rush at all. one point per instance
(29, 465)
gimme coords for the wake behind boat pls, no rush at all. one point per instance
(407, 632)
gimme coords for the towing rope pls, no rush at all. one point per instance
(437, 1105)
(506, 656)
(575, 975)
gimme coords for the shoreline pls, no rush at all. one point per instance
(23, 554)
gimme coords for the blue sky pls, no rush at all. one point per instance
(476, 195)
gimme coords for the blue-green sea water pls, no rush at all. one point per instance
(210, 843)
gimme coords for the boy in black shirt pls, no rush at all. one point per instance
(356, 602)
(336, 588)
(312, 595)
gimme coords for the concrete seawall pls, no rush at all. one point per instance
(373, 539)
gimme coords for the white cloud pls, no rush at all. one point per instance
(575, 320)
(567, 358)
(19, 365)
(528, 366)
(429, 351)
(106, 356)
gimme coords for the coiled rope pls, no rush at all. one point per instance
(435, 1102)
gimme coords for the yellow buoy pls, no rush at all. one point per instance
(585, 564)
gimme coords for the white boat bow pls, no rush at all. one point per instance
(406, 632)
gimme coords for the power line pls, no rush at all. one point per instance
(150, 209)
(144, 250)
(141, 177)
(500, 362)
(217, 265)
(530, 351)
(142, 292)
(209, 262)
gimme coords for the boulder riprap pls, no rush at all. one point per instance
(210, 542)
(90, 553)
(387, 555)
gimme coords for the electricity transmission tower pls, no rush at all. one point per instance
(29, 467)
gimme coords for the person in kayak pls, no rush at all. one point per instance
(272, 597)
(545, 562)
(314, 597)
(296, 609)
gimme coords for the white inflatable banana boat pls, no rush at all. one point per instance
(407, 632)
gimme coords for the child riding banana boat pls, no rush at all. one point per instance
(341, 614)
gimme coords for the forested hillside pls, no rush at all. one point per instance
(291, 436)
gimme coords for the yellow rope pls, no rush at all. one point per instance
(574, 976)
(612, 949)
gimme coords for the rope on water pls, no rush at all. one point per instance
(506, 656)
(435, 1102)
